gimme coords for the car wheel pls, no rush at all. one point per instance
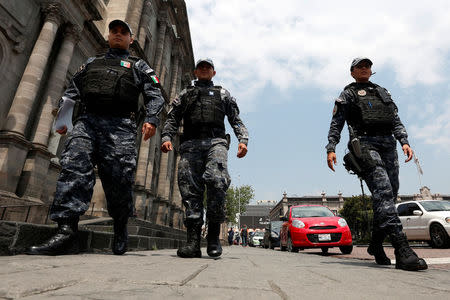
(324, 250)
(346, 249)
(291, 247)
(439, 237)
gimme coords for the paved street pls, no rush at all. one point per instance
(241, 273)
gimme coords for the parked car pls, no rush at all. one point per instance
(426, 220)
(314, 226)
(256, 239)
(272, 235)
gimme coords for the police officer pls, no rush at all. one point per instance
(374, 126)
(203, 108)
(104, 135)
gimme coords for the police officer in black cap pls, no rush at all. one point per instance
(107, 87)
(374, 127)
(204, 151)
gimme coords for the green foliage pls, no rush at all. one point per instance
(359, 215)
(242, 194)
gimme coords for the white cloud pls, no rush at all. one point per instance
(296, 44)
(437, 131)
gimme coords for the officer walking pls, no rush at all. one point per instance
(104, 135)
(374, 126)
(203, 108)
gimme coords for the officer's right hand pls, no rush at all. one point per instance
(166, 147)
(62, 131)
(331, 158)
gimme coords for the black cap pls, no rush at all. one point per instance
(206, 60)
(358, 60)
(118, 22)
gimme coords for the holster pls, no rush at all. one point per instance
(359, 165)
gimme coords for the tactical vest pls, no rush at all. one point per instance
(108, 86)
(372, 112)
(205, 114)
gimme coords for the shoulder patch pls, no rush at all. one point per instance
(335, 108)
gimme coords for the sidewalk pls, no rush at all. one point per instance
(241, 273)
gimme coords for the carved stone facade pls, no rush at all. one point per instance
(42, 44)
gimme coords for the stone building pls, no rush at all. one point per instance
(42, 45)
(335, 203)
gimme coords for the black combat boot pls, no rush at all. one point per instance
(405, 257)
(376, 249)
(120, 240)
(65, 241)
(192, 248)
(214, 248)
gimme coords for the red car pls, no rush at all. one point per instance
(314, 226)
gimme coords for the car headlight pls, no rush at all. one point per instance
(447, 219)
(342, 222)
(298, 224)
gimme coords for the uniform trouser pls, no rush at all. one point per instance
(203, 163)
(383, 183)
(108, 143)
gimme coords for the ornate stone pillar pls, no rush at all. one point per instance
(162, 23)
(163, 183)
(176, 196)
(13, 145)
(134, 15)
(141, 172)
(33, 177)
(29, 85)
(175, 68)
(56, 85)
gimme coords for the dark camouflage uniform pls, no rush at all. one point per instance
(204, 161)
(107, 141)
(383, 180)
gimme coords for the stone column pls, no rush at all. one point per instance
(162, 23)
(56, 85)
(134, 15)
(141, 172)
(13, 145)
(163, 183)
(33, 177)
(176, 196)
(29, 85)
(174, 84)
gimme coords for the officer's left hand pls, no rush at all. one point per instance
(242, 150)
(148, 130)
(408, 152)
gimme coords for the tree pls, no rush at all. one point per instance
(236, 195)
(358, 216)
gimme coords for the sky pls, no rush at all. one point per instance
(286, 61)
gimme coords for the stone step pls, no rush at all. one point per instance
(137, 230)
(16, 237)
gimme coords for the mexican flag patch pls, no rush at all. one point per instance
(126, 64)
(154, 78)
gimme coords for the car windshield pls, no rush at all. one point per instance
(276, 225)
(434, 205)
(311, 211)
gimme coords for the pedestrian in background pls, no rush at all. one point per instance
(244, 235)
(230, 236)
